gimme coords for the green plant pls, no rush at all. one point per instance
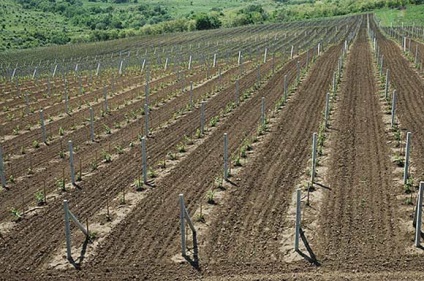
(106, 156)
(409, 185)
(119, 149)
(93, 165)
(198, 134)
(188, 140)
(17, 215)
(162, 164)
(237, 161)
(39, 198)
(61, 154)
(219, 182)
(398, 160)
(107, 129)
(35, 144)
(210, 196)
(138, 183)
(11, 179)
(22, 150)
(92, 235)
(152, 173)
(214, 120)
(61, 131)
(181, 148)
(61, 184)
(172, 156)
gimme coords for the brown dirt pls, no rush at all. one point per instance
(359, 214)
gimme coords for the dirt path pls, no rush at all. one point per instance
(358, 217)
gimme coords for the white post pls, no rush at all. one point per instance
(291, 52)
(319, 49)
(265, 54)
(91, 124)
(314, 155)
(13, 74)
(182, 225)
(386, 87)
(144, 158)
(166, 64)
(334, 82)
(43, 128)
(239, 58)
(327, 109)
(214, 60)
(2, 173)
(66, 100)
(146, 92)
(404, 44)
(202, 117)
(27, 103)
(263, 111)
(392, 123)
(120, 67)
(298, 71)
(237, 92)
(298, 218)
(98, 69)
(34, 74)
(189, 63)
(191, 94)
(285, 88)
(67, 230)
(419, 215)
(54, 70)
(146, 118)
(407, 151)
(76, 68)
(105, 97)
(225, 156)
(71, 162)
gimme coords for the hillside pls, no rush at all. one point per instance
(33, 23)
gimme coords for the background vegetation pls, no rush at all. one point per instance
(33, 23)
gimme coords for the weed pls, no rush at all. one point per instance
(11, 179)
(22, 150)
(61, 131)
(61, 154)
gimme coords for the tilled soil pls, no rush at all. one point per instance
(358, 237)
(358, 216)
